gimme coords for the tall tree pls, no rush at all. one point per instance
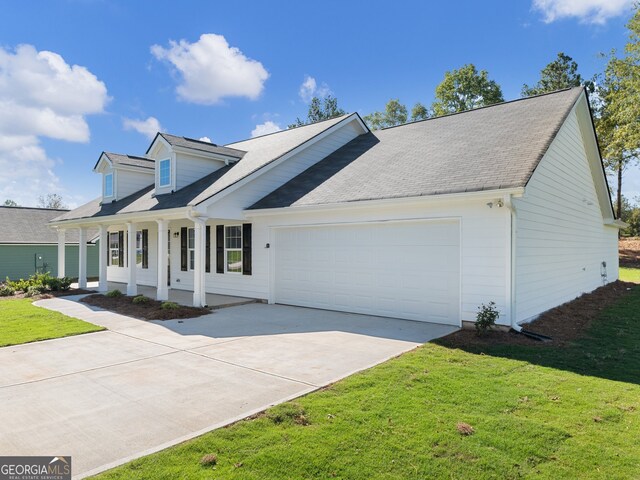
(395, 113)
(52, 200)
(559, 74)
(465, 89)
(617, 109)
(10, 203)
(320, 109)
(419, 112)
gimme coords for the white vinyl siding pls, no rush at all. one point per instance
(561, 240)
(190, 168)
(127, 182)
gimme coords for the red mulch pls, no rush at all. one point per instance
(144, 311)
(563, 324)
(629, 252)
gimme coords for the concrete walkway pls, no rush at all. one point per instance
(108, 397)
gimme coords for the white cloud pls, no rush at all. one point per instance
(148, 127)
(310, 89)
(211, 70)
(587, 11)
(265, 128)
(40, 96)
(205, 139)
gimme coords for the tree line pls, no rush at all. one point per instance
(614, 95)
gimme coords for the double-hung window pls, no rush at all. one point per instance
(164, 172)
(114, 248)
(233, 248)
(191, 247)
(108, 185)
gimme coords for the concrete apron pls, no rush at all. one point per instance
(108, 397)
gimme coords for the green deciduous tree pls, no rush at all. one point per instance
(559, 74)
(465, 89)
(617, 109)
(419, 112)
(10, 203)
(395, 113)
(320, 109)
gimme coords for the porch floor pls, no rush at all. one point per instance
(185, 297)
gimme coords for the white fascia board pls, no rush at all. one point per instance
(617, 223)
(203, 205)
(136, 217)
(426, 199)
(103, 158)
(154, 146)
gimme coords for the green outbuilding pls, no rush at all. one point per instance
(28, 245)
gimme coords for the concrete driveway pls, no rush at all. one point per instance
(108, 397)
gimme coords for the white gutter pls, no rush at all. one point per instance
(508, 202)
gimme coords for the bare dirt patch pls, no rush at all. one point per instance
(145, 311)
(629, 249)
(563, 324)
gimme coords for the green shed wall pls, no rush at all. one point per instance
(18, 261)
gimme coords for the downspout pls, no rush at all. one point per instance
(508, 202)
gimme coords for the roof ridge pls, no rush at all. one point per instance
(531, 97)
(287, 129)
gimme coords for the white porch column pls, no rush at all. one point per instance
(102, 259)
(199, 295)
(82, 258)
(61, 252)
(162, 289)
(132, 287)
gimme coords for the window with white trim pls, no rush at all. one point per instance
(164, 172)
(114, 248)
(108, 185)
(191, 247)
(233, 248)
(139, 248)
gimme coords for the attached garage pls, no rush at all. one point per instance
(408, 269)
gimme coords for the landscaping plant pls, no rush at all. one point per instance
(486, 318)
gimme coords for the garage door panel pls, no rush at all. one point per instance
(398, 269)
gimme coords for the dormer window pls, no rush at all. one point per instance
(165, 173)
(108, 185)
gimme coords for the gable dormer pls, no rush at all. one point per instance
(180, 161)
(123, 175)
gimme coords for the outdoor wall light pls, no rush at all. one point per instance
(176, 234)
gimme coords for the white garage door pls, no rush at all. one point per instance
(405, 270)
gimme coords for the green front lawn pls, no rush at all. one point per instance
(22, 322)
(630, 274)
(537, 412)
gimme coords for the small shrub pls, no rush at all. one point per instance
(34, 290)
(486, 318)
(18, 285)
(288, 412)
(6, 291)
(113, 294)
(209, 460)
(465, 429)
(65, 283)
(169, 306)
(141, 300)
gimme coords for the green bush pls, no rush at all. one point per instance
(141, 300)
(65, 283)
(486, 317)
(6, 291)
(169, 306)
(34, 290)
(18, 285)
(113, 294)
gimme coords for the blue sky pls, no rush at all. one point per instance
(118, 70)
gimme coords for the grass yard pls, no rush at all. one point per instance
(536, 412)
(630, 274)
(23, 322)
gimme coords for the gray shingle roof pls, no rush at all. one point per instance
(488, 148)
(129, 160)
(201, 145)
(22, 225)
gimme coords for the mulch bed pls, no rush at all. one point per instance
(60, 293)
(630, 252)
(563, 324)
(148, 311)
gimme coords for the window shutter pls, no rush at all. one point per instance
(145, 248)
(183, 249)
(207, 242)
(246, 249)
(219, 248)
(121, 248)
